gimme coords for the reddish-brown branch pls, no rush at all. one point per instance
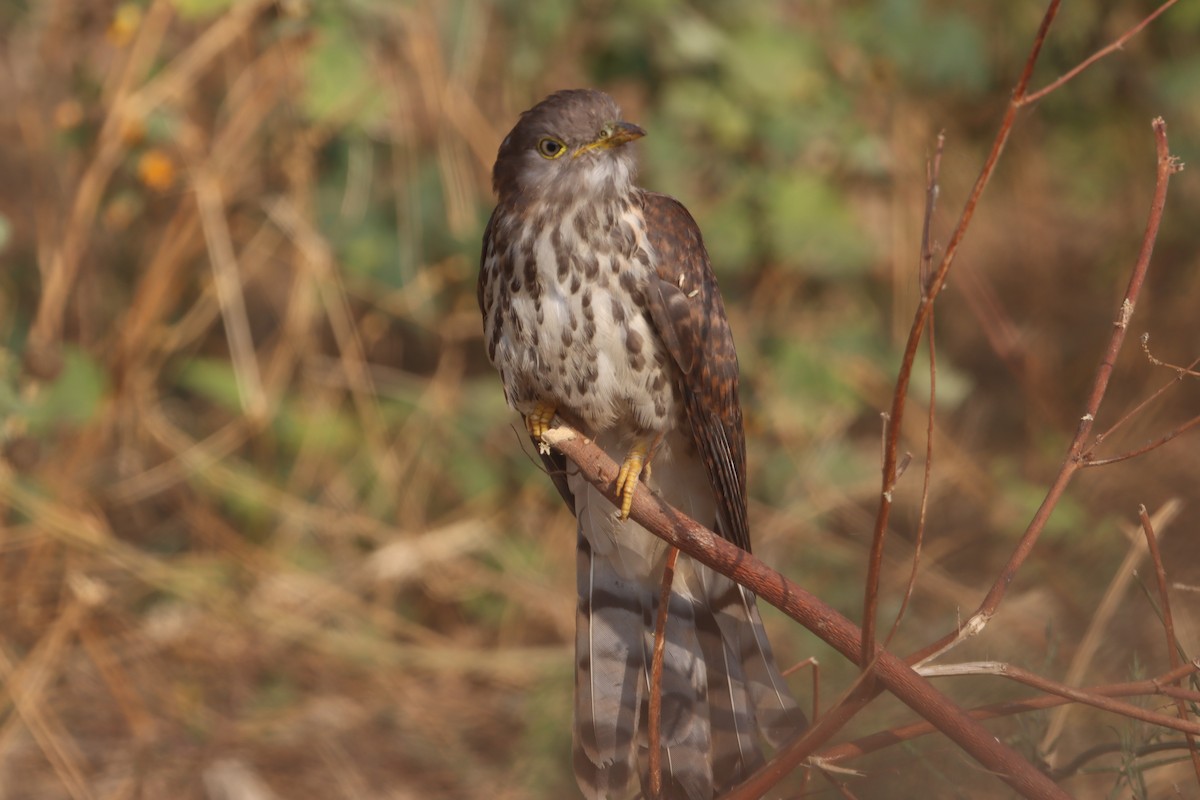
(933, 170)
(923, 314)
(1087, 457)
(656, 669)
(1089, 461)
(926, 481)
(1158, 362)
(1166, 166)
(811, 661)
(878, 741)
(1102, 702)
(724, 557)
(1160, 576)
(1117, 44)
(1128, 415)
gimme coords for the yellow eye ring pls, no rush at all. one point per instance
(549, 147)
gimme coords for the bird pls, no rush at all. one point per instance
(600, 305)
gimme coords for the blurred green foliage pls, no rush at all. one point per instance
(72, 399)
(260, 577)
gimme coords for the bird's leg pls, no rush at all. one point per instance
(654, 445)
(538, 421)
(637, 460)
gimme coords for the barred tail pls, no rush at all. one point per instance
(721, 690)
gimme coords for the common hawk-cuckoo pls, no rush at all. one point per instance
(598, 299)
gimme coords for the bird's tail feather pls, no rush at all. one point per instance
(735, 750)
(736, 612)
(721, 690)
(608, 688)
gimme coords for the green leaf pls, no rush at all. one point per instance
(321, 429)
(812, 228)
(74, 397)
(729, 234)
(774, 65)
(339, 84)
(199, 10)
(213, 379)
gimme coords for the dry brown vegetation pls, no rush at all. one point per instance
(268, 529)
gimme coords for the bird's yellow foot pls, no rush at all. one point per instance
(538, 421)
(631, 469)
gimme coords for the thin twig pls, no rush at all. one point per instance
(883, 739)
(921, 319)
(811, 661)
(1146, 448)
(1133, 412)
(1117, 44)
(932, 171)
(1182, 371)
(656, 670)
(1160, 576)
(1028, 678)
(1166, 166)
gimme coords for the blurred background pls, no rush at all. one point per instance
(268, 528)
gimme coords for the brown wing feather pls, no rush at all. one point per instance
(689, 316)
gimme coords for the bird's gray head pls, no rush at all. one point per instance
(570, 145)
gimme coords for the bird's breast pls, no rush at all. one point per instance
(569, 321)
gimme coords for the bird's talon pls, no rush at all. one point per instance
(627, 479)
(539, 420)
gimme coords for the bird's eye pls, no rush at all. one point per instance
(551, 148)
(606, 131)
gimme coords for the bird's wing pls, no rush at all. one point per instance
(689, 316)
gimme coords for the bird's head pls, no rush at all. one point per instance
(570, 145)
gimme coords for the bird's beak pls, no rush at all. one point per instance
(622, 132)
